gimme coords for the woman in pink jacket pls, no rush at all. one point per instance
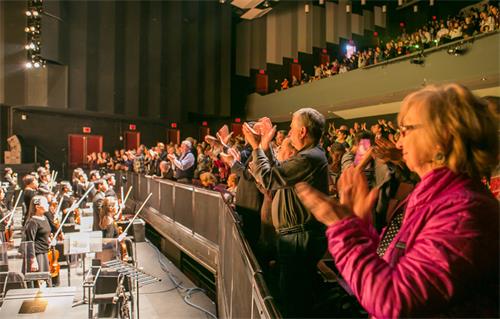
(442, 258)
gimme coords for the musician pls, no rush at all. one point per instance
(43, 181)
(107, 218)
(101, 186)
(94, 176)
(67, 200)
(37, 230)
(30, 190)
(3, 211)
(110, 179)
(11, 178)
(51, 214)
(81, 187)
(75, 178)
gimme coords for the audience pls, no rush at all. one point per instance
(371, 186)
(468, 23)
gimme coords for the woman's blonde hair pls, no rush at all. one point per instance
(107, 204)
(460, 124)
(208, 179)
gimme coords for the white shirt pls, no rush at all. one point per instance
(185, 161)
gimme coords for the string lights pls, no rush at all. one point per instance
(33, 31)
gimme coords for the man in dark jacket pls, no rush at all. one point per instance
(300, 237)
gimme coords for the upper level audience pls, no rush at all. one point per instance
(466, 24)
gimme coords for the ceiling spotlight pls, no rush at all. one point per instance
(266, 4)
(35, 13)
(36, 65)
(32, 28)
(28, 13)
(27, 46)
(27, 29)
(29, 65)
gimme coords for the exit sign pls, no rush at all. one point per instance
(173, 125)
(87, 129)
(131, 127)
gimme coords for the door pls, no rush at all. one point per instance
(261, 83)
(204, 131)
(132, 140)
(76, 150)
(79, 146)
(174, 136)
(296, 70)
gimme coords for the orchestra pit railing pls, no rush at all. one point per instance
(202, 225)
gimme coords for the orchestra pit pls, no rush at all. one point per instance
(249, 159)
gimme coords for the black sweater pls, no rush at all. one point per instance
(37, 229)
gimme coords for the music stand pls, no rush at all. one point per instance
(81, 243)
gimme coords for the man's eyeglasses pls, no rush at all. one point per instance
(405, 129)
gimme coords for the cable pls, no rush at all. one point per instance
(188, 291)
(157, 292)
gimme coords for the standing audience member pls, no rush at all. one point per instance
(300, 239)
(185, 165)
(439, 256)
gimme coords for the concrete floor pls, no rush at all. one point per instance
(159, 300)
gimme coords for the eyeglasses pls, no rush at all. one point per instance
(405, 129)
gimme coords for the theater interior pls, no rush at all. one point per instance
(133, 129)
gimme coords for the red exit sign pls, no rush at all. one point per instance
(173, 125)
(87, 129)
(131, 127)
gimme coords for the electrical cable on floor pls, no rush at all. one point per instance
(187, 291)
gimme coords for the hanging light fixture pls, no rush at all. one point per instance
(384, 8)
(306, 8)
(348, 8)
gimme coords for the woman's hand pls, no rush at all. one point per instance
(355, 199)
(386, 151)
(354, 191)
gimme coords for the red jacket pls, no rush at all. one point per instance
(443, 261)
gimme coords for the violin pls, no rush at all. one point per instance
(8, 234)
(77, 216)
(123, 246)
(54, 266)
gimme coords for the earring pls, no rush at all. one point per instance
(439, 158)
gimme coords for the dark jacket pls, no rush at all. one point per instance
(309, 165)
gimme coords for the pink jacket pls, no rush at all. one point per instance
(443, 261)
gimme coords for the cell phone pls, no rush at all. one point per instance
(363, 147)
